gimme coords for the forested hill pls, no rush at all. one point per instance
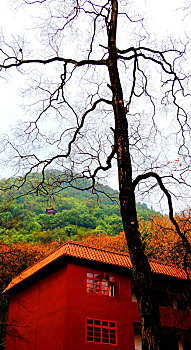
(78, 213)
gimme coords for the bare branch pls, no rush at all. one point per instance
(171, 215)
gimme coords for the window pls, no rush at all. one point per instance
(104, 332)
(102, 284)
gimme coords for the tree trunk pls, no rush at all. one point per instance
(147, 301)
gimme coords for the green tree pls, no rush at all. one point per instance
(70, 230)
(6, 219)
(34, 227)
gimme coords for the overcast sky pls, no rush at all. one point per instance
(165, 18)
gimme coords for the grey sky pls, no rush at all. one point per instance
(163, 19)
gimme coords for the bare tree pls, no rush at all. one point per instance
(94, 104)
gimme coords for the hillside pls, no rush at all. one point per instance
(79, 213)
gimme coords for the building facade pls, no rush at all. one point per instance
(81, 297)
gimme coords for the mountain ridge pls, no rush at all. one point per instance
(79, 213)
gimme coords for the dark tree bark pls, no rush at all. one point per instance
(148, 306)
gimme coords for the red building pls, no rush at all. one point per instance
(81, 297)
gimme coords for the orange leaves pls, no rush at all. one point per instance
(159, 236)
(175, 165)
(117, 243)
(16, 257)
(164, 243)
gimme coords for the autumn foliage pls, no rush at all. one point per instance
(102, 240)
(14, 258)
(162, 241)
(159, 236)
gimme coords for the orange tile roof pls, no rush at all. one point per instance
(86, 252)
